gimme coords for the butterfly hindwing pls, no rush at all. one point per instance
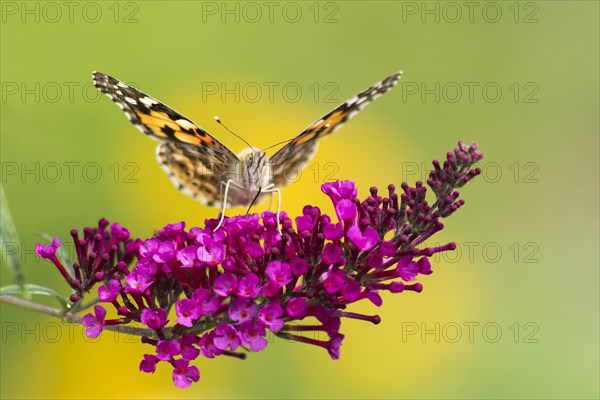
(291, 158)
(183, 164)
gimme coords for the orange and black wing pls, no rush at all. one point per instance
(291, 158)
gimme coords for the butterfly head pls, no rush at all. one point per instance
(254, 168)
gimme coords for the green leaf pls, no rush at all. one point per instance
(8, 239)
(29, 289)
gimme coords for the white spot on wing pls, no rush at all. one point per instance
(352, 100)
(353, 113)
(148, 101)
(362, 100)
(186, 124)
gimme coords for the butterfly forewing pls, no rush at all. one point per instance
(288, 161)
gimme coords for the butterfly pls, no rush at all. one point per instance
(205, 169)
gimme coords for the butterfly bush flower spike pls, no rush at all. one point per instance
(229, 288)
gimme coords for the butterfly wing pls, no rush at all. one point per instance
(189, 171)
(291, 158)
(195, 161)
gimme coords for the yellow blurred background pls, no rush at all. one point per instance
(512, 314)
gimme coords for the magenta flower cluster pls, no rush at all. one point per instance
(227, 288)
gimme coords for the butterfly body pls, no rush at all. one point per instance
(251, 175)
(205, 169)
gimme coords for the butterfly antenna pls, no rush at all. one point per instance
(232, 132)
(289, 140)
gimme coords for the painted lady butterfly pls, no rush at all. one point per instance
(202, 167)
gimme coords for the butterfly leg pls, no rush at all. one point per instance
(273, 190)
(224, 203)
(253, 200)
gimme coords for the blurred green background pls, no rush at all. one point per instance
(513, 314)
